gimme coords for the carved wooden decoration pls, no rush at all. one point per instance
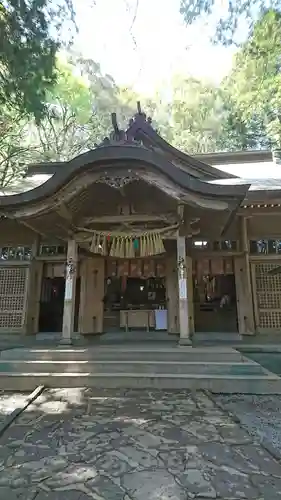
(117, 182)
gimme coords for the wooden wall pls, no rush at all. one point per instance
(34, 285)
(13, 233)
(264, 226)
(92, 293)
(254, 313)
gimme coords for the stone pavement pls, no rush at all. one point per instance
(9, 402)
(259, 415)
(79, 444)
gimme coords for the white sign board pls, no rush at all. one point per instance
(161, 321)
(68, 289)
(182, 289)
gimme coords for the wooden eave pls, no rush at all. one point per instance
(142, 130)
(131, 157)
(235, 157)
(263, 196)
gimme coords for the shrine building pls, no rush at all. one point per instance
(135, 235)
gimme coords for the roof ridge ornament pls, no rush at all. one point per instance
(116, 136)
(140, 116)
(119, 136)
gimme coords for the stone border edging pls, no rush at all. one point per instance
(263, 443)
(15, 413)
(260, 348)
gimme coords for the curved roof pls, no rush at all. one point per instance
(140, 130)
(131, 157)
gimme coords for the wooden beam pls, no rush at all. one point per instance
(181, 211)
(64, 212)
(255, 212)
(43, 235)
(69, 232)
(29, 226)
(117, 219)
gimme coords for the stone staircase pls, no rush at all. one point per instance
(220, 370)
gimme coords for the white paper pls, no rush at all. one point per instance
(182, 289)
(160, 319)
(68, 289)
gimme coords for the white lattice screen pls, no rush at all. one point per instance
(13, 287)
(268, 291)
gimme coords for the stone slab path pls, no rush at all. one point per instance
(259, 415)
(79, 444)
(9, 402)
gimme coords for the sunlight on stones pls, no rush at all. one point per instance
(180, 452)
(130, 420)
(9, 402)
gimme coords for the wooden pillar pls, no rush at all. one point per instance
(245, 309)
(69, 293)
(34, 283)
(190, 301)
(172, 294)
(182, 290)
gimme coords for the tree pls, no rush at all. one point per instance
(29, 39)
(196, 115)
(66, 129)
(77, 115)
(240, 134)
(78, 111)
(254, 85)
(234, 13)
(15, 151)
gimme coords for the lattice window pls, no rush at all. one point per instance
(269, 300)
(268, 289)
(13, 303)
(215, 246)
(266, 282)
(270, 319)
(265, 247)
(15, 253)
(12, 297)
(52, 250)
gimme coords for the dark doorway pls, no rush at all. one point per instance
(51, 305)
(215, 305)
(127, 294)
